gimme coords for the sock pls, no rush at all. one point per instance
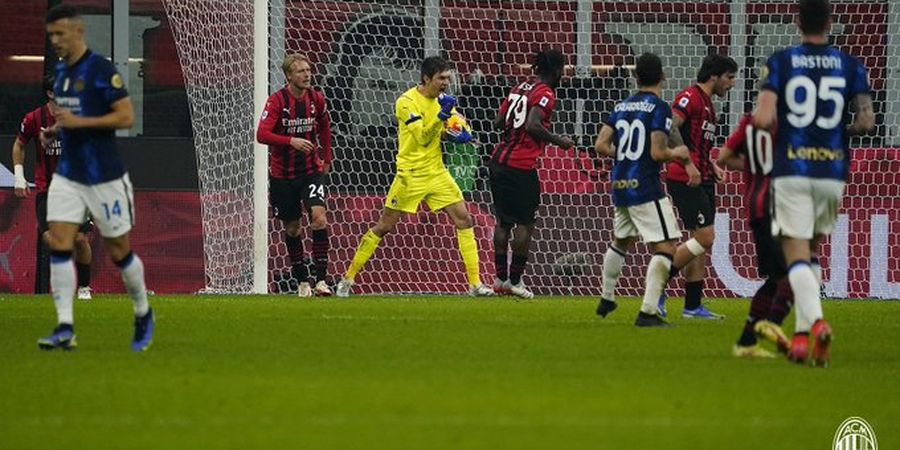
(468, 248)
(320, 253)
(84, 274)
(693, 292)
(299, 270)
(367, 246)
(501, 262)
(816, 267)
(517, 268)
(62, 284)
(806, 295)
(613, 261)
(759, 307)
(657, 276)
(132, 269)
(783, 302)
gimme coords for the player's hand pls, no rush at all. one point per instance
(566, 143)
(48, 135)
(65, 118)
(719, 173)
(459, 136)
(324, 167)
(20, 184)
(301, 145)
(693, 174)
(447, 103)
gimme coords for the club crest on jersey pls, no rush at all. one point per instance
(79, 85)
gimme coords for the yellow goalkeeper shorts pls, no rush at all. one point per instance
(438, 189)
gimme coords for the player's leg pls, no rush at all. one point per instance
(655, 221)
(112, 208)
(523, 205)
(314, 199)
(367, 246)
(624, 235)
(770, 265)
(65, 211)
(286, 198)
(42, 251)
(500, 192)
(695, 271)
(83, 257)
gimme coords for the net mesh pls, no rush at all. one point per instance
(366, 53)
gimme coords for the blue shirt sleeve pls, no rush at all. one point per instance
(773, 79)
(109, 82)
(662, 118)
(860, 83)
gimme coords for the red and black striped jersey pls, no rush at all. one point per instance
(47, 157)
(517, 148)
(698, 132)
(286, 116)
(756, 145)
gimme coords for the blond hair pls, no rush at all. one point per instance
(289, 61)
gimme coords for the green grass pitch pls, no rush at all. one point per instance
(431, 373)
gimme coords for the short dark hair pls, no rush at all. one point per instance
(49, 80)
(716, 65)
(433, 65)
(62, 11)
(648, 70)
(548, 62)
(814, 15)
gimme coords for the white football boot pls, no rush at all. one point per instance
(521, 291)
(84, 293)
(304, 290)
(343, 288)
(480, 290)
(322, 289)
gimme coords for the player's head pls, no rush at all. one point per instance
(648, 71)
(65, 30)
(719, 71)
(297, 71)
(435, 75)
(548, 65)
(814, 17)
(49, 80)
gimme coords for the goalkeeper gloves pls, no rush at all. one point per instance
(447, 103)
(459, 136)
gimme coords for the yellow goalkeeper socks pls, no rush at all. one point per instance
(469, 251)
(367, 246)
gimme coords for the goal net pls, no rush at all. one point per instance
(365, 53)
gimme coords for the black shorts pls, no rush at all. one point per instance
(517, 194)
(286, 196)
(40, 208)
(769, 256)
(696, 205)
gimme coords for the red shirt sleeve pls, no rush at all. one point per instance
(265, 131)
(684, 105)
(738, 137)
(28, 130)
(543, 98)
(324, 131)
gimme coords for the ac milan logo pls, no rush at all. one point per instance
(855, 434)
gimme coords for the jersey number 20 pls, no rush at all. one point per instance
(632, 141)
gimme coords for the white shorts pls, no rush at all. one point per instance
(805, 207)
(109, 204)
(653, 221)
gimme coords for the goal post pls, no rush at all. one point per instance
(365, 53)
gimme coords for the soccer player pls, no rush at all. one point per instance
(297, 128)
(46, 157)
(524, 117)
(91, 103)
(636, 134)
(809, 93)
(421, 175)
(694, 195)
(750, 149)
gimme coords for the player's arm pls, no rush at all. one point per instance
(120, 116)
(18, 159)
(675, 138)
(324, 133)
(603, 144)
(265, 130)
(500, 118)
(534, 126)
(730, 159)
(764, 116)
(409, 115)
(660, 151)
(864, 120)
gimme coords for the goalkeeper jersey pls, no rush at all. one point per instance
(419, 132)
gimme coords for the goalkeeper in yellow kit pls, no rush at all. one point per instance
(421, 174)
